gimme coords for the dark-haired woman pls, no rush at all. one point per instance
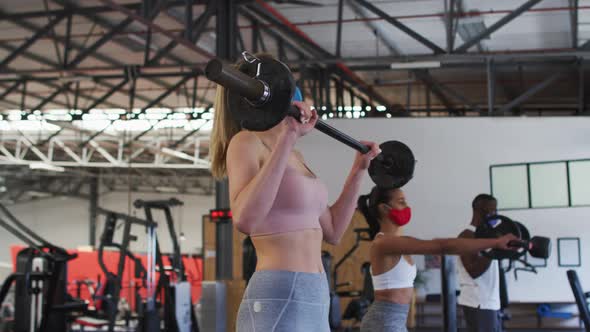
(392, 269)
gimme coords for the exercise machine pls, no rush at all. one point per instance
(581, 298)
(41, 300)
(361, 299)
(179, 311)
(108, 296)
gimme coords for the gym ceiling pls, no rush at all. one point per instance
(91, 85)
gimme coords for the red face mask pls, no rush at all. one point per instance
(400, 217)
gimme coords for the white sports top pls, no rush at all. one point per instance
(402, 275)
(482, 292)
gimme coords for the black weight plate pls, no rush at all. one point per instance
(281, 83)
(541, 247)
(495, 227)
(524, 232)
(394, 167)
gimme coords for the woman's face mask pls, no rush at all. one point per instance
(400, 217)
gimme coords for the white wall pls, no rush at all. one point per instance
(64, 221)
(454, 155)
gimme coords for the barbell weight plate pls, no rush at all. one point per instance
(524, 232)
(280, 81)
(495, 227)
(394, 166)
(541, 247)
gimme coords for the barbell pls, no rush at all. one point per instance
(259, 93)
(496, 226)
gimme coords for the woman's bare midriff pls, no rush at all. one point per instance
(400, 295)
(298, 251)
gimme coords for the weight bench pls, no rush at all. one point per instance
(581, 298)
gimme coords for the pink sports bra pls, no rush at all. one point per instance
(299, 203)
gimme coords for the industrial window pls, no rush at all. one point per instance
(510, 185)
(541, 185)
(548, 185)
(579, 182)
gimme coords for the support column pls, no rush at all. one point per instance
(93, 209)
(491, 86)
(449, 293)
(581, 89)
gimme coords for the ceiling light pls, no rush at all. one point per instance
(178, 154)
(74, 79)
(415, 65)
(164, 189)
(46, 166)
(38, 194)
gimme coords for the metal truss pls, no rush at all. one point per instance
(20, 184)
(104, 152)
(330, 79)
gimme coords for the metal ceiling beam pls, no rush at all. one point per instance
(156, 28)
(257, 36)
(166, 93)
(106, 96)
(450, 25)
(154, 102)
(95, 9)
(455, 59)
(51, 63)
(575, 26)
(491, 79)
(147, 21)
(271, 15)
(532, 91)
(496, 26)
(581, 90)
(100, 42)
(51, 97)
(423, 76)
(109, 25)
(375, 26)
(34, 95)
(435, 88)
(191, 32)
(339, 28)
(415, 35)
(10, 89)
(29, 42)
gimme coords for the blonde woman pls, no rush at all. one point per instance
(277, 200)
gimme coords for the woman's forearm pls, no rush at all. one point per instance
(254, 202)
(344, 207)
(459, 246)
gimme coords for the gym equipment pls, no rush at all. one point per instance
(41, 299)
(259, 95)
(449, 293)
(179, 313)
(108, 299)
(545, 311)
(581, 298)
(497, 225)
(358, 307)
(249, 259)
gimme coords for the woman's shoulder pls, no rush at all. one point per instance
(244, 139)
(388, 244)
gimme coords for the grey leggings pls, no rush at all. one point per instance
(285, 301)
(386, 317)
